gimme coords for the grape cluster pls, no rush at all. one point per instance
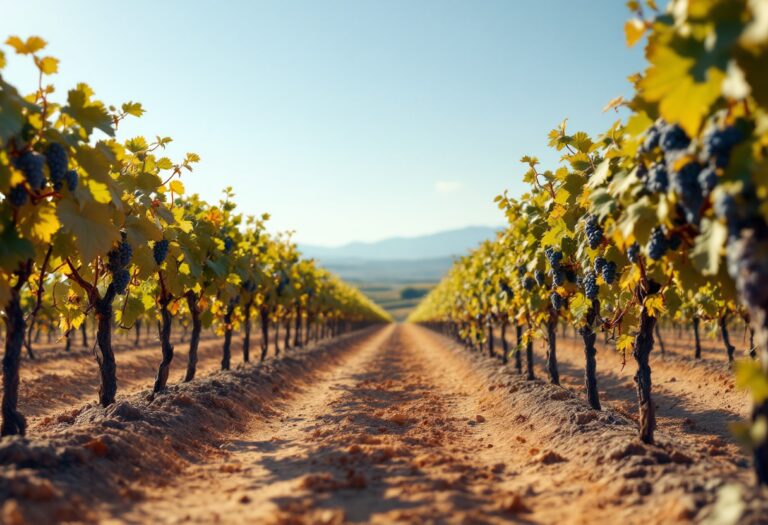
(70, 177)
(593, 231)
(58, 161)
(686, 184)
(673, 138)
(609, 272)
(118, 260)
(589, 283)
(522, 270)
(707, 180)
(657, 180)
(506, 289)
(31, 165)
(657, 244)
(528, 283)
(599, 264)
(160, 250)
(120, 280)
(558, 276)
(557, 300)
(555, 257)
(119, 257)
(719, 143)
(652, 137)
(633, 253)
(541, 277)
(18, 195)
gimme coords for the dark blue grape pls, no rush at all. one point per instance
(58, 161)
(18, 195)
(522, 270)
(652, 137)
(673, 138)
(707, 180)
(633, 253)
(506, 289)
(719, 143)
(589, 283)
(558, 276)
(599, 264)
(71, 179)
(120, 280)
(609, 272)
(229, 243)
(593, 231)
(31, 165)
(686, 184)
(557, 300)
(160, 250)
(658, 178)
(674, 241)
(541, 277)
(570, 275)
(657, 244)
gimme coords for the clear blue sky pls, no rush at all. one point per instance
(346, 120)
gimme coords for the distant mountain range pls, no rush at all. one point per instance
(425, 258)
(437, 245)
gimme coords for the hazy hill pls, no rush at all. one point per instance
(434, 246)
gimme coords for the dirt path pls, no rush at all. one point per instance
(380, 439)
(395, 425)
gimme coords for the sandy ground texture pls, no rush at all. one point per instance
(389, 425)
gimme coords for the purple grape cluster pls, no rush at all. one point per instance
(160, 250)
(657, 244)
(589, 283)
(633, 253)
(31, 165)
(58, 162)
(609, 272)
(593, 231)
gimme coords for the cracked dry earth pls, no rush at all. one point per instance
(394, 434)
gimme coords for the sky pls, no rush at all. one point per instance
(350, 120)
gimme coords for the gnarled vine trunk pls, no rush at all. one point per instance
(161, 380)
(13, 421)
(504, 342)
(298, 341)
(590, 352)
(641, 351)
(529, 357)
(106, 356)
(247, 332)
(554, 375)
(287, 339)
(729, 348)
(194, 338)
(491, 351)
(264, 319)
(226, 354)
(697, 339)
(519, 348)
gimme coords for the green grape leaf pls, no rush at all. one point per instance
(708, 246)
(91, 225)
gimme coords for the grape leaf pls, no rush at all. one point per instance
(91, 227)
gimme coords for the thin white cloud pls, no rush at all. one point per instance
(447, 186)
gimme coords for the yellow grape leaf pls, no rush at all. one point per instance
(684, 95)
(555, 234)
(184, 269)
(99, 191)
(177, 187)
(233, 278)
(91, 227)
(654, 304)
(2, 65)
(39, 223)
(48, 65)
(750, 376)
(625, 343)
(32, 45)
(633, 31)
